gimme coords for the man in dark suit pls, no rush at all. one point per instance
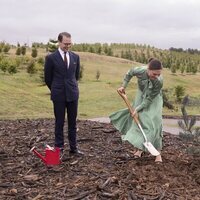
(61, 75)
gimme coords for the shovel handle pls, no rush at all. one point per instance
(148, 145)
(131, 109)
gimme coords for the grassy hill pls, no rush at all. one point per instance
(24, 96)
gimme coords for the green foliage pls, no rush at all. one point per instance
(91, 50)
(99, 50)
(174, 59)
(8, 65)
(38, 45)
(6, 48)
(12, 69)
(166, 102)
(41, 75)
(110, 52)
(81, 72)
(21, 88)
(189, 133)
(98, 75)
(179, 92)
(52, 45)
(4, 65)
(34, 52)
(182, 69)
(173, 68)
(31, 68)
(18, 51)
(40, 60)
(23, 50)
(1, 46)
(18, 62)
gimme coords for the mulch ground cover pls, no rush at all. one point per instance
(108, 169)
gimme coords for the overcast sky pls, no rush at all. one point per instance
(159, 23)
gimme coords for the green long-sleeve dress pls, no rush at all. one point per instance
(148, 103)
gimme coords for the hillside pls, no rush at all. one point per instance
(24, 96)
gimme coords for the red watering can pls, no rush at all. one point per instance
(52, 155)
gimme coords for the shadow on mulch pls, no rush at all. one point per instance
(107, 171)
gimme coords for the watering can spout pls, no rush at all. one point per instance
(38, 154)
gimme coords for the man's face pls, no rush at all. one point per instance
(65, 44)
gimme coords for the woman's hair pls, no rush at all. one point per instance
(154, 64)
(60, 36)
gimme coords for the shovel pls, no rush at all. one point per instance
(147, 144)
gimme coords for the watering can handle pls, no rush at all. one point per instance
(32, 149)
(131, 109)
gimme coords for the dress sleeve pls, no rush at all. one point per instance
(132, 72)
(157, 86)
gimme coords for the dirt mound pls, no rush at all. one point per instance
(107, 171)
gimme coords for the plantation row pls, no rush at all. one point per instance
(184, 61)
(187, 61)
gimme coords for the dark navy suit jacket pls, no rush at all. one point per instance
(62, 81)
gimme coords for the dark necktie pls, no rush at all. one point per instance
(65, 59)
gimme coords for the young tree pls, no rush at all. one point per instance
(182, 69)
(6, 48)
(4, 65)
(188, 132)
(179, 93)
(52, 45)
(12, 69)
(31, 68)
(18, 51)
(98, 75)
(110, 52)
(173, 68)
(81, 72)
(34, 53)
(23, 50)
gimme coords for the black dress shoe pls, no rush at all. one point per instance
(76, 152)
(64, 157)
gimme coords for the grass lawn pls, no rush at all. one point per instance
(24, 96)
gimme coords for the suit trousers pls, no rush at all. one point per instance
(60, 108)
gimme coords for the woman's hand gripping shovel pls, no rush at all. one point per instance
(147, 144)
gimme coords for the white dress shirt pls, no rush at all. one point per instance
(62, 54)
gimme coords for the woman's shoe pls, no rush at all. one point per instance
(158, 159)
(138, 154)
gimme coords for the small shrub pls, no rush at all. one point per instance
(81, 72)
(179, 93)
(41, 75)
(166, 102)
(12, 69)
(4, 64)
(6, 48)
(18, 51)
(189, 133)
(23, 50)
(98, 75)
(31, 68)
(34, 53)
(40, 60)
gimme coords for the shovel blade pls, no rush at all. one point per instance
(153, 151)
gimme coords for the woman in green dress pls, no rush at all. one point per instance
(148, 105)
